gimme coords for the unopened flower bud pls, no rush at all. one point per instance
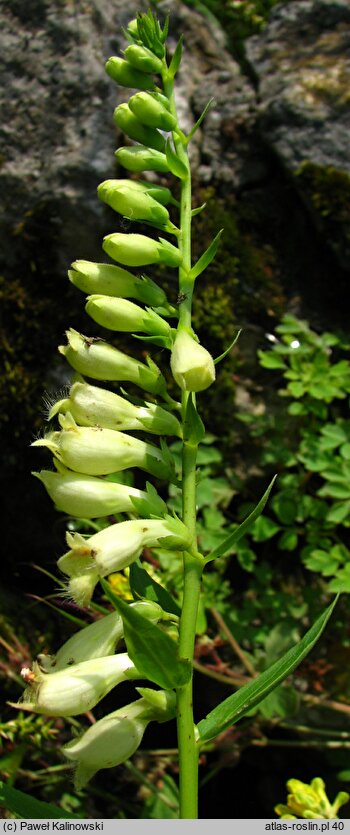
(160, 193)
(109, 742)
(91, 406)
(141, 158)
(96, 359)
(78, 688)
(88, 497)
(96, 451)
(191, 364)
(117, 546)
(132, 203)
(127, 76)
(111, 280)
(125, 316)
(131, 125)
(139, 250)
(97, 640)
(143, 59)
(151, 112)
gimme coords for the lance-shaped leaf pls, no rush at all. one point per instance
(175, 165)
(194, 429)
(152, 649)
(144, 586)
(222, 356)
(23, 805)
(231, 540)
(199, 121)
(176, 59)
(233, 708)
(207, 257)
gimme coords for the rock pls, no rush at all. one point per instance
(302, 67)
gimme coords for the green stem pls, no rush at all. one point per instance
(193, 564)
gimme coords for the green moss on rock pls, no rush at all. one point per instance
(327, 191)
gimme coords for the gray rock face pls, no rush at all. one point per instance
(302, 65)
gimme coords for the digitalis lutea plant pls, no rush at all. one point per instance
(94, 441)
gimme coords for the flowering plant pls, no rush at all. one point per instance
(94, 441)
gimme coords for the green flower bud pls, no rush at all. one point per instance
(127, 317)
(160, 193)
(151, 112)
(91, 406)
(97, 640)
(97, 359)
(109, 742)
(141, 158)
(143, 59)
(192, 366)
(127, 76)
(111, 280)
(96, 451)
(139, 250)
(132, 203)
(117, 546)
(75, 689)
(131, 125)
(88, 497)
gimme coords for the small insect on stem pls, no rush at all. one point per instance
(181, 298)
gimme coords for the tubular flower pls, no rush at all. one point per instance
(96, 451)
(97, 640)
(132, 203)
(143, 59)
(91, 406)
(86, 496)
(151, 112)
(117, 546)
(139, 250)
(97, 359)
(192, 366)
(125, 316)
(141, 158)
(75, 689)
(111, 280)
(131, 125)
(115, 738)
(310, 801)
(127, 76)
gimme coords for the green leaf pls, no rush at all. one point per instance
(222, 356)
(176, 59)
(268, 359)
(288, 540)
(264, 528)
(199, 121)
(237, 705)
(152, 651)
(341, 582)
(23, 805)
(282, 702)
(324, 562)
(143, 586)
(207, 257)
(339, 513)
(231, 540)
(194, 429)
(176, 166)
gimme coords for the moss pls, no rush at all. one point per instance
(327, 190)
(238, 289)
